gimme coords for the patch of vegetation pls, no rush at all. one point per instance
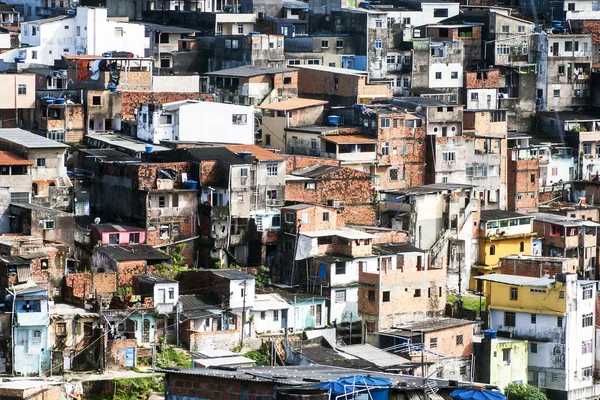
(172, 270)
(469, 303)
(520, 391)
(136, 388)
(167, 356)
(260, 357)
(264, 276)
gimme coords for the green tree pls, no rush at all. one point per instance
(520, 391)
(263, 279)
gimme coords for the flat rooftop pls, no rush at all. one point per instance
(426, 189)
(563, 220)
(28, 139)
(121, 142)
(249, 71)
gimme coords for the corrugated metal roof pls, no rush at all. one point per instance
(293, 104)
(28, 139)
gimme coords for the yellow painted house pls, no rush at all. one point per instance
(501, 233)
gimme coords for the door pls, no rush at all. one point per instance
(162, 296)
(318, 315)
(146, 331)
(284, 314)
(555, 49)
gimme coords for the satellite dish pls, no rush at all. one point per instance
(97, 220)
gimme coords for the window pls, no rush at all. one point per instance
(571, 6)
(561, 295)
(514, 293)
(244, 172)
(509, 319)
(587, 372)
(568, 46)
(240, 29)
(385, 149)
(533, 318)
(272, 194)
(161, 201)
(586, 347)
(521, 29)
(37, 337)
(22, 88)
(438, 75)
(386, 296)
(34, 54)
(134, 238)
(339, 44)
(118, 31)
(340, 268)
(559, 322)
(171, 293)
(313, 62)
(448, 156)
(384, 123)
(492, 250)
(287, 245)
(417, 293)
(275, 221)
(474, 96)
(289, 218)
(433, 343)
(324, 44)
(533, 347)
(503, 49)
(505, 29)
(521, 247)
(272, 169)
(459, 340)
(66, 26)
(453, 75)
(340, 296)
(371, 295)
(239, 119)
(263, 315)
(506, 355)
(96, 101)
(293, 62)
(556, 93)
(440, 13)
(378, 44)
(275, 315)
(61, 329)
(326, 216)
(113, 238)
(393, 174)
(561, 69)
(587, 320)
(587, 148)
(587, 292)
(378, 23)
(287, 80)
(406, 21)
(41, 162)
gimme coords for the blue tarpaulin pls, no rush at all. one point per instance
(471, 394)
(377, 387)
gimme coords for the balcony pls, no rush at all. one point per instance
(369, 156)
(275, 203)
(32, 319)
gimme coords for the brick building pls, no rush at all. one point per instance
(522, 185)
(152, 196)
(344, 188)
(403, 289)
(481, 89)
(537, 267)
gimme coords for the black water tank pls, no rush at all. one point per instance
(302, 394)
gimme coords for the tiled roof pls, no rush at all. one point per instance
(349, 139)
(258, 152)
(7, 158)
(292, 104)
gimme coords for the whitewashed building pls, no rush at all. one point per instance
(196, 121)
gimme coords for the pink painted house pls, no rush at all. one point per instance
(116, 235)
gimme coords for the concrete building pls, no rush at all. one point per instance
(178, 121)
(569, 237)
(277, 117)
(564, 79)
(88, 32)
(252, 85)
(522, 180)
(447, 233)
(492, 367)
(17, 100)
(481, 89)
(561, 335)
(501, 233)
(537, 266)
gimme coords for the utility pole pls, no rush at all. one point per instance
(102, 336)
(423, 356)
(177, 324)
(350, 336)
(243, 313)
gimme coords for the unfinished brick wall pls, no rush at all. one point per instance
(104, 282)
(482, 80)
(522, 190)
(592, 27)
(127, 269)
(115, 352)
(197, 386)
(202, 282)
(292, 163)
(537, 267)
(212, 173)
(77, 287)
(42, 392)
(134, 100)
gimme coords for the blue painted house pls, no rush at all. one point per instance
(31, 355)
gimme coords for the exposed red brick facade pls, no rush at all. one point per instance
(134, 100)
